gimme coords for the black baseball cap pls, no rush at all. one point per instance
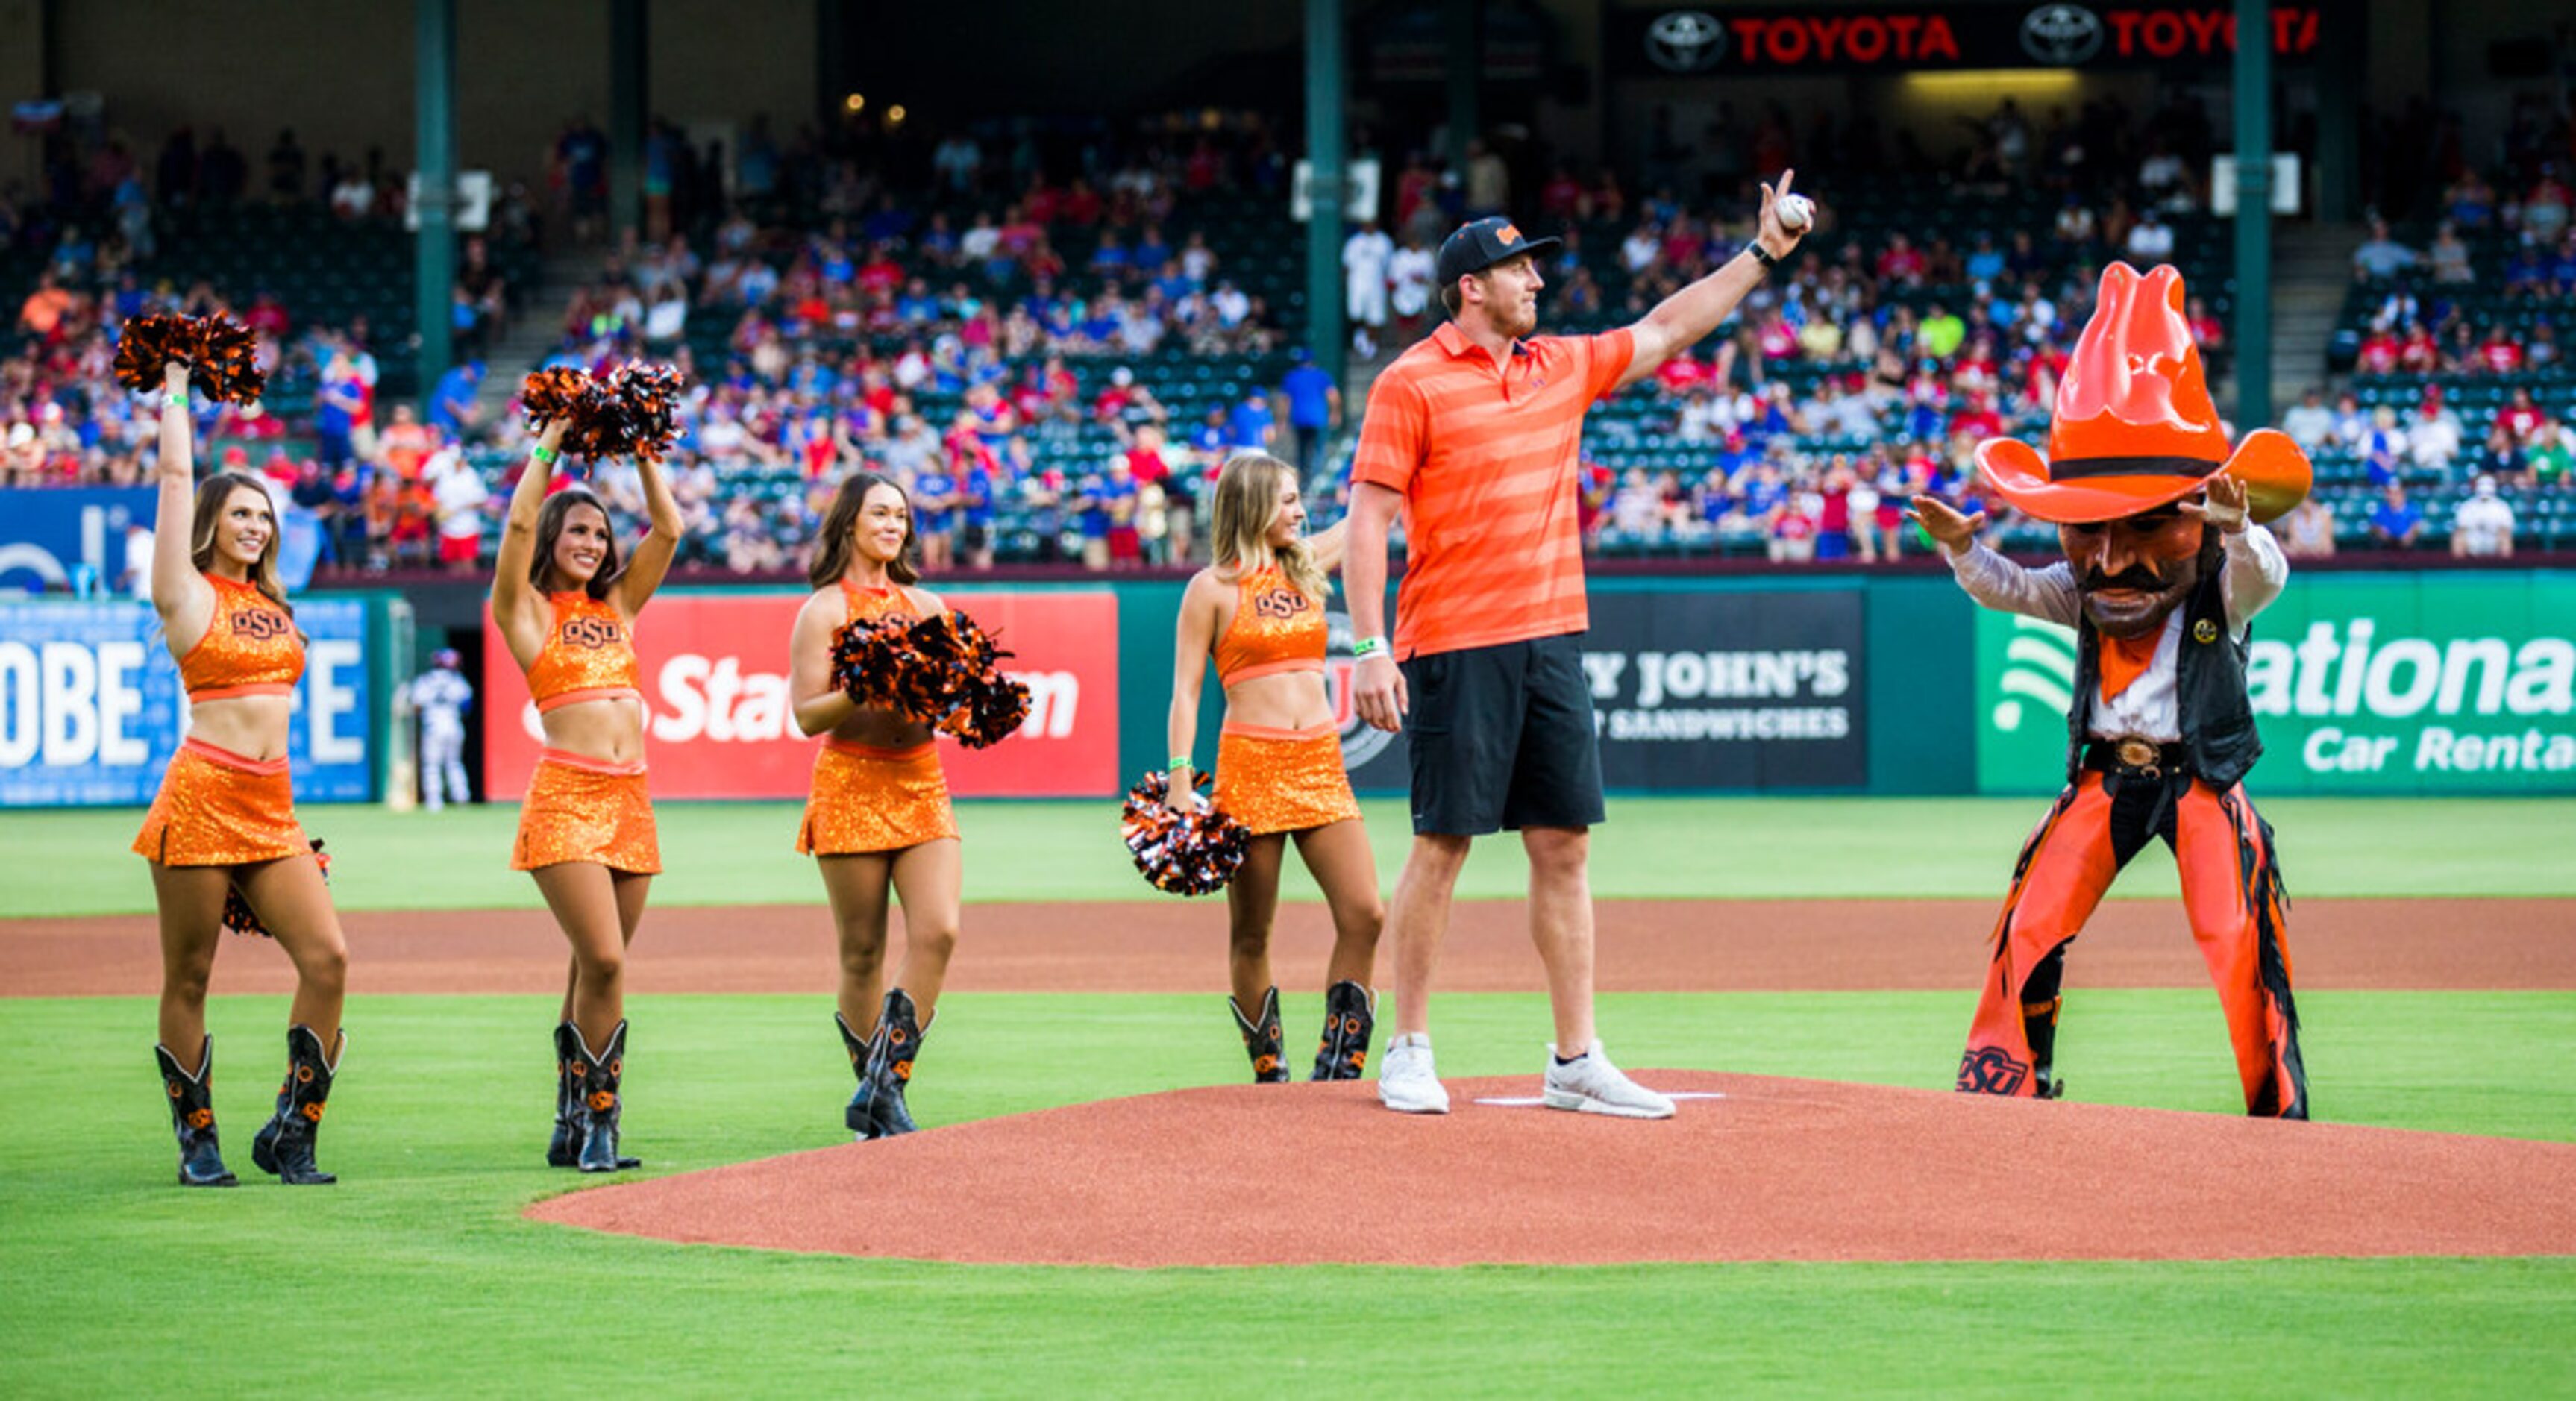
(1480, 245)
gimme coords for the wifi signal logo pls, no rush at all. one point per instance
(2039, 665)
(2025, 685)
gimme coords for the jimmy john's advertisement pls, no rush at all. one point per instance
(1728, 688)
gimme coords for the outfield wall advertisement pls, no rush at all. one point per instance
(1691, 689)
(91, 709)
(2362, 683)
(1740, 689)
(715, 685)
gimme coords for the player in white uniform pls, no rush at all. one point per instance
(441, 696)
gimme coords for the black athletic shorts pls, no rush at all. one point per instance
(1501, 738)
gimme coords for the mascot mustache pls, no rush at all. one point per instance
(2136, 576)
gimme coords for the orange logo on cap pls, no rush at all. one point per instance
(1508, 233)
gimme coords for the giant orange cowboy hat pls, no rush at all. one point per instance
(2134, 428)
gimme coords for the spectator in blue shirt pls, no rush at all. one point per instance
(2394, 522)
(934, 516)
(451, 405)
(1212, 437)
(1314, 409)
(1252, 425)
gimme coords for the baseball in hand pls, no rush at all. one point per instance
(1797, 213)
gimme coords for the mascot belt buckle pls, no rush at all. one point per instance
(2141, 756)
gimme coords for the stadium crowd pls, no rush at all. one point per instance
(1041, 338)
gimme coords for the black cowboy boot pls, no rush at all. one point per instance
(889, 1068)
(1348, 1021)
(1261, 1040)
(2039, 1027)
(856, 1116)
(600, 1074)
(192, 1117)
(564, 1149)
(283, 1148)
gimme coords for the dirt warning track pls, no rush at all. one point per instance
(1178, 946)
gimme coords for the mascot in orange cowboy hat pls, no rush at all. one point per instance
(2167, 562)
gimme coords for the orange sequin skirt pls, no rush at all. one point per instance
(1282, 780)
(216, 808)
(579, 809)
(869, 799)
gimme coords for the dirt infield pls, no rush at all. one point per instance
(1774, 1170)
(1176, 946)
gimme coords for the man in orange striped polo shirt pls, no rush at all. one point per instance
(1470, 437)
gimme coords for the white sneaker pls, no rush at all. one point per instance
(1406, 1082)
(1590, 1084)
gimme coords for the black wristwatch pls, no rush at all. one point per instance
(1762, 255)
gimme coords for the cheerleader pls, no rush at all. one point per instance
(878, 819)
(224, 820)
(566, 608)
(1259, 610)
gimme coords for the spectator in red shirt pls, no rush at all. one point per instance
(2206, 328)
(1681, 373)
(2379, 353)
(882, 274)
(1901, 262)
(2421, 354)
(2522, 418)
(1978, 421)
(2499, 352)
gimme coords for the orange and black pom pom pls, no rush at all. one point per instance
(146, 345)
(226, 365)
(648, 402)
(222, 356)
(558, 393)
(1193, 854)
(943, 671)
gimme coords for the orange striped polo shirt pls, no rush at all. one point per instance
(1485, 455)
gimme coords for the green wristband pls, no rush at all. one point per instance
(546, 455)
(1181, 761)
(174, 399)
(1367, 647)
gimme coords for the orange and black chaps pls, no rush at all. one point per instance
(2232, 894)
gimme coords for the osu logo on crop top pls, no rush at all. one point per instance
(590, 630)
(260, 624)
(1280, 603)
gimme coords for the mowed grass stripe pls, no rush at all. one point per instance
(76, 862)
(417, 1275)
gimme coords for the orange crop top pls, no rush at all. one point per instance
(1276, 628)
(251, 647)
(588, 654)
(866, 602)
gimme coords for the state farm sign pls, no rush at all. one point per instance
(721, 723)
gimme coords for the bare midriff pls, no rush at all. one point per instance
(252, 726)
(608, 727)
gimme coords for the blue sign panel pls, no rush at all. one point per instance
(91, 710)
(47, 534)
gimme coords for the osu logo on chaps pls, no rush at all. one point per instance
(589, 632)
(1988, 1071)
(261, 625)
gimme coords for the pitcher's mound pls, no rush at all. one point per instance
(1771, 1170)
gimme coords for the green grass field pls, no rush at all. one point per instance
(416, 1275)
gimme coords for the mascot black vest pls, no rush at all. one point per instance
(2217, 717)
